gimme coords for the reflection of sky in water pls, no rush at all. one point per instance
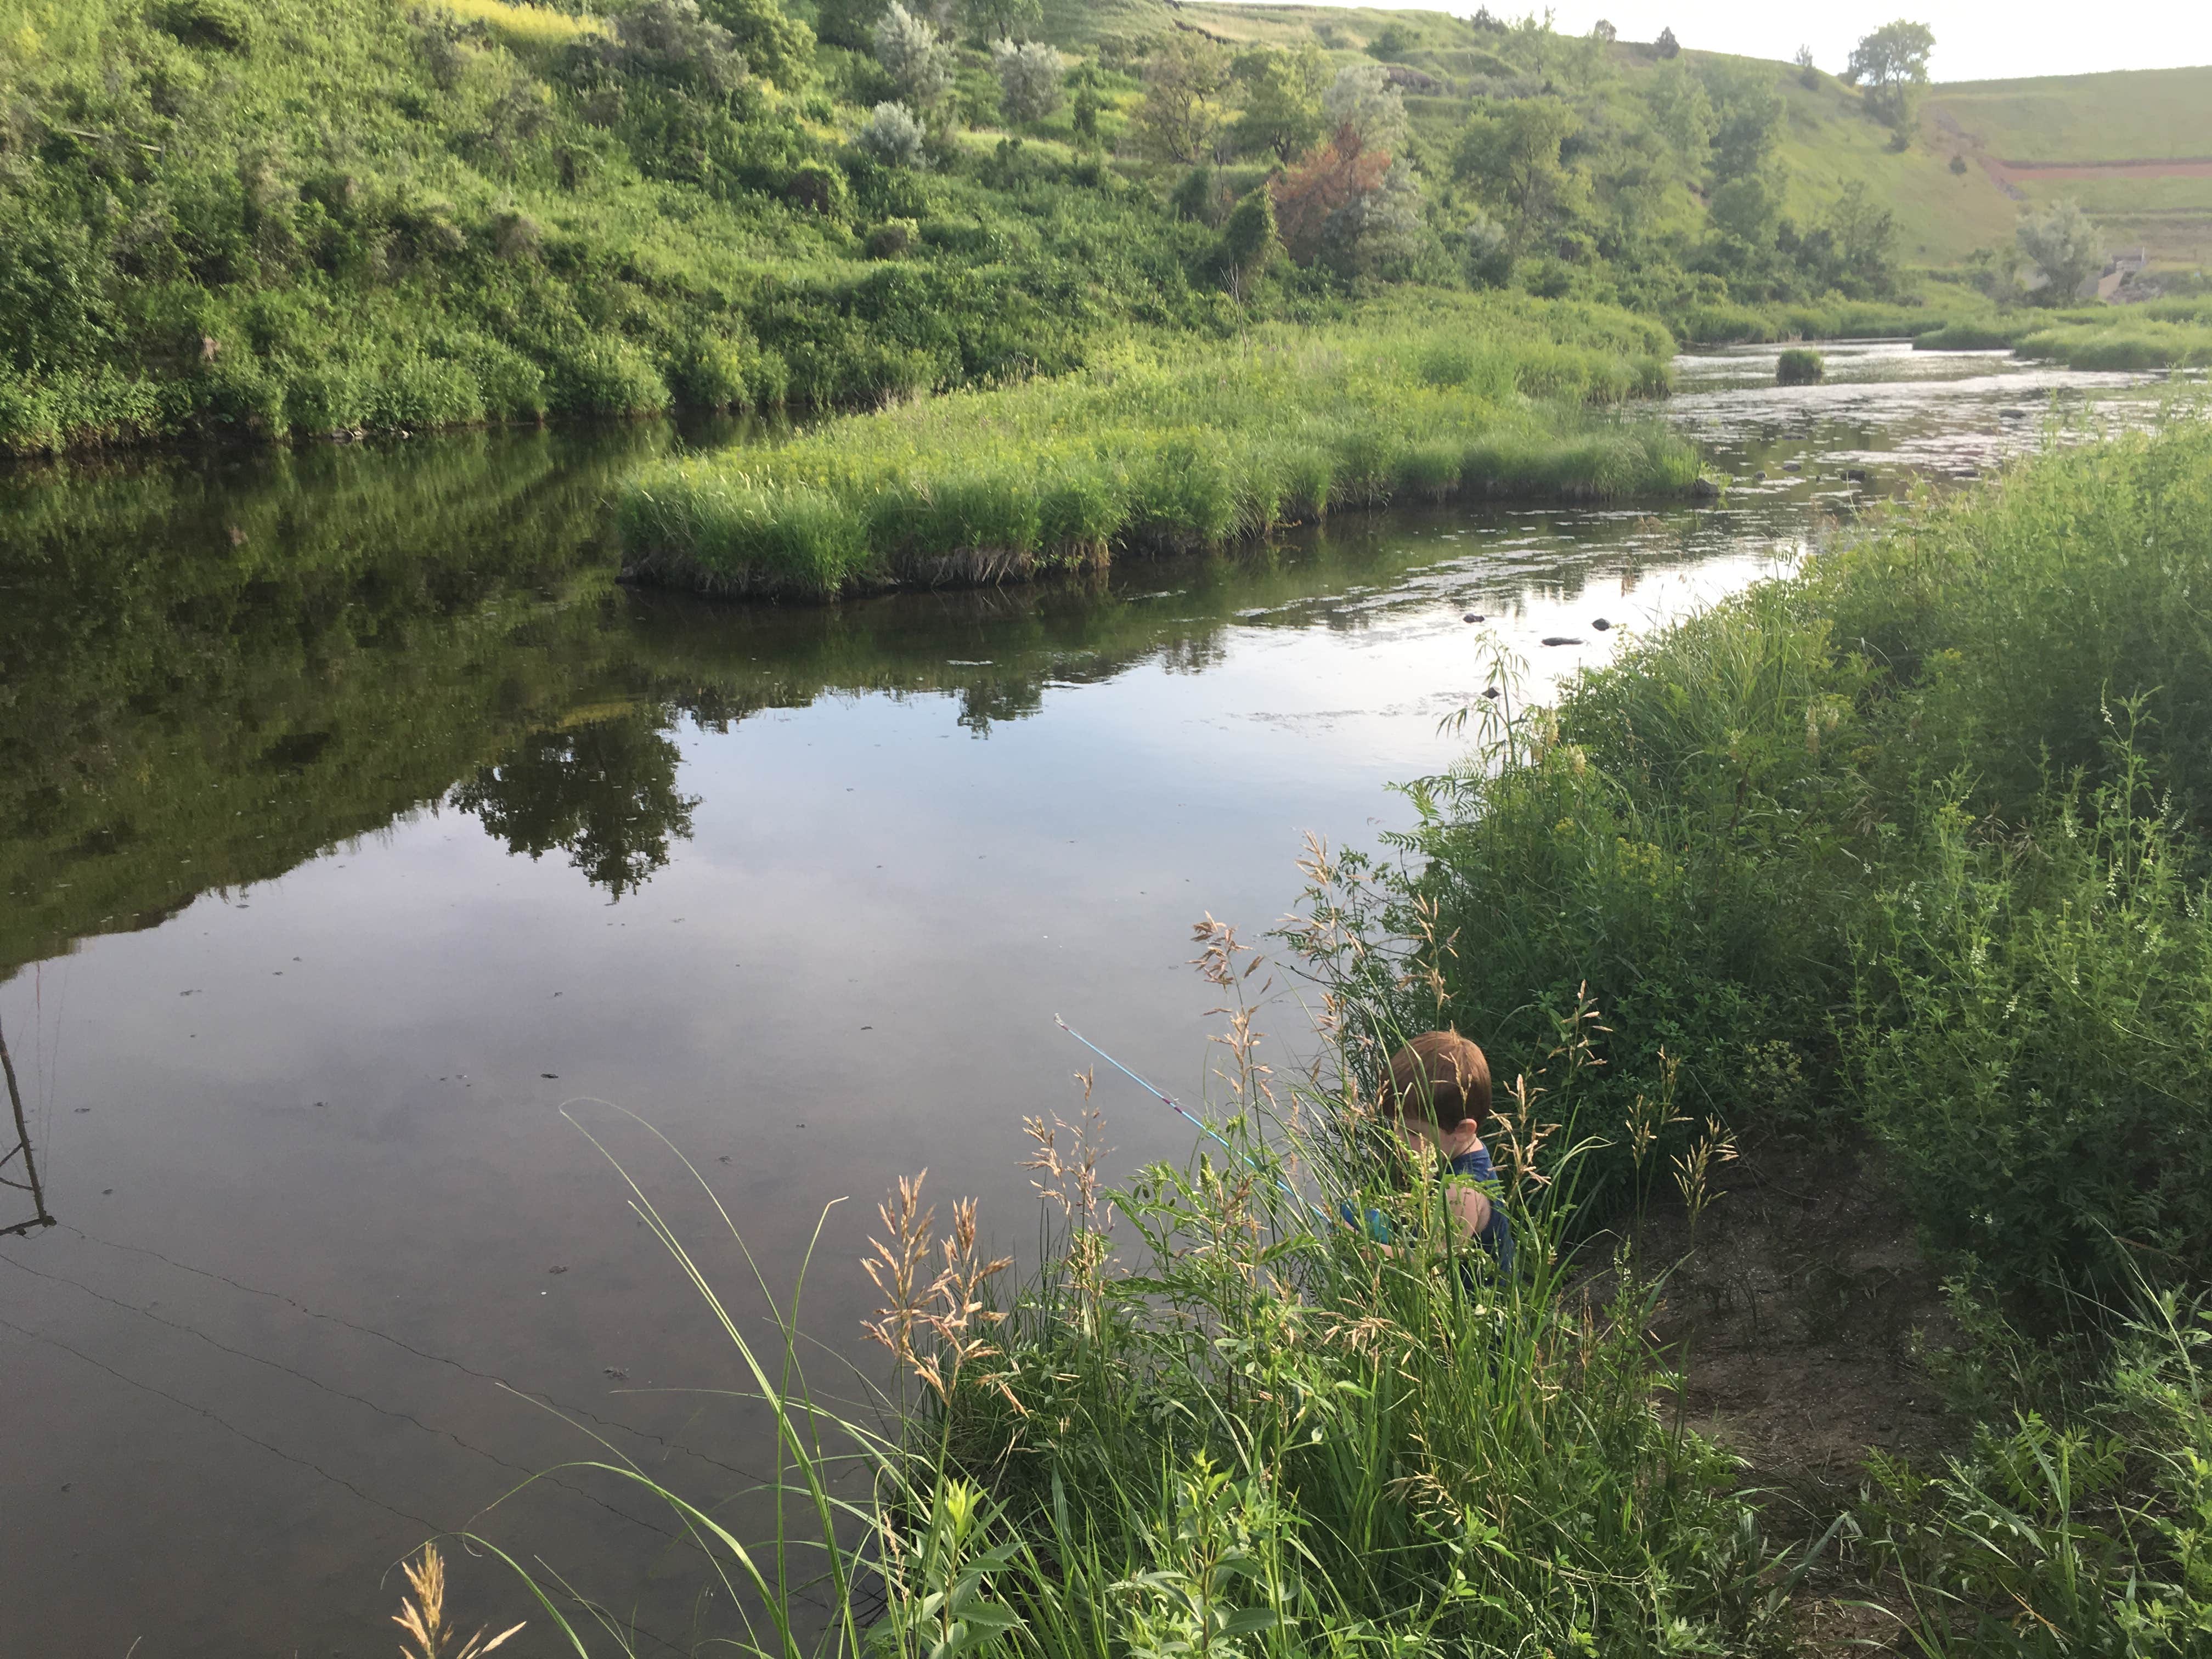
(332, 1091)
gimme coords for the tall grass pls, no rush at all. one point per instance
(2174, 334)
(1909, 845)
(1909, 848)
(1161, 446)
(1218, 1420)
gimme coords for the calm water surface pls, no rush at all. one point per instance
(365, 847)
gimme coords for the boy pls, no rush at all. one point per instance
(1436, 1094)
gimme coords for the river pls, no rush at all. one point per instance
(373, 861)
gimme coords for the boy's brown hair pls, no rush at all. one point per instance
(1439, 1075)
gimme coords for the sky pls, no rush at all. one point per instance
(1975, 39)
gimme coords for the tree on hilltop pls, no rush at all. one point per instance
(1892, 64)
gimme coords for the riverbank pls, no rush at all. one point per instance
(1167, 446)
(2157, 334)
(1905, 849)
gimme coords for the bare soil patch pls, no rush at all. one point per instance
(1797, 1313)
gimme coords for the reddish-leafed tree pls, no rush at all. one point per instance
(1334, 176)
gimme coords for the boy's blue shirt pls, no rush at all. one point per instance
(1497, 1235)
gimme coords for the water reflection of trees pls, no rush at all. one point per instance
(602, 791)
(210, 670)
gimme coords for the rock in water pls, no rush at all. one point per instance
(1793, 466)
(1560, 639)
(1704, 490)
(1601, 624)
(1474, 616)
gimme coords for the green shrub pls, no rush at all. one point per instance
(239, 396)
(713, 375)
(1743, 841)
(511, 388)
(2046, 1538)
(892, 239)
(2034, 1045)
(224, 25)
(1798, 367)
(596, 375)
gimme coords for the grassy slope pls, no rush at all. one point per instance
(1941, 216)
(2131, 115)
(356, 201)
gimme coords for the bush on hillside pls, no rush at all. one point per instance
(894, 137)
(1029, 79)
(224, 25)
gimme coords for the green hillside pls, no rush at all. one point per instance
(2134, 148)
(281, 218)
(2131, 115)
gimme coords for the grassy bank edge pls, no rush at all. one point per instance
(1169, 446)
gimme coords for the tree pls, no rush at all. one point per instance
(1183, 113)
(604, 793)
(1512, 159)
(1748, 210)
(1001, 19)
(1199, 197)
(1748, 122)
(1489, 252)
(1361, 97)
(850, 23)
(2066, 249)
(1892, 64)
(1376, 228)
(1666, 46)
(1085, 116)
(1995, 272)
(1335, 175)
(1808, 73)
(919, 63)
(1029, 79)
(1863, 236)
(1393, 42)
(1683, 112)
(1604, 32)
(671, 42)
(893, 136)
(1249, 241)
(1282, 114)
(776, 45)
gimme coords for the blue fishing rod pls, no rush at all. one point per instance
(1199, 1123)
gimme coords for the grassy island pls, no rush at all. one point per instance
(1168, 446)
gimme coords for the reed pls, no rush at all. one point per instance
(1218, 1420)
(1168, 446)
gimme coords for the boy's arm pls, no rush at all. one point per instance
(1470, 1205)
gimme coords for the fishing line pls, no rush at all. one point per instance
(404, 1346)
(1199, 1123)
